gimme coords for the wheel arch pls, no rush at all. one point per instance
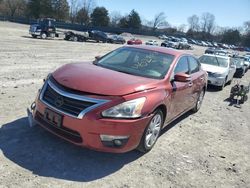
(163, 108)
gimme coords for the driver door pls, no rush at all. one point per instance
(182, 91)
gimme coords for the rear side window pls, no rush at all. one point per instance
(182, 66)
(194, 65)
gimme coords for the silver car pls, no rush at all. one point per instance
(220, 69)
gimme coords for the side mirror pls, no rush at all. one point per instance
(182, 77)
(97, 57)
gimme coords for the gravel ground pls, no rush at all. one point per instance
(208, 149)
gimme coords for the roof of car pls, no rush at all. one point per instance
(159, 49)
(215, 55)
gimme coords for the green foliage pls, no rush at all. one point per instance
(246, 40)
(34, 7)
(58, 9)
(133, 20)
(100, 17)
(82, 17)
(231, 37)
(123, 23)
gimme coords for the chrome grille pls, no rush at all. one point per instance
(68, 103)
(63, 103)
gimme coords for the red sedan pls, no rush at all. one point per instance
(122, 100)
(134, 41)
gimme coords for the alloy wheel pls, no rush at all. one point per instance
(153, 131)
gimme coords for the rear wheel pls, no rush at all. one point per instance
(75, 39)
(34, 36)
(152, 132)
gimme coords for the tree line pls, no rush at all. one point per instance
(86, 12)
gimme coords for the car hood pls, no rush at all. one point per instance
(213, 69)
(87, 77)
(34, 25)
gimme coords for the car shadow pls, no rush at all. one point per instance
(38, 38)
(212, 88)
(47, 155)
(175, 122)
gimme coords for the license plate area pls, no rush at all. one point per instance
(53, 118)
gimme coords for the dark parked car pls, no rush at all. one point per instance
(240, 68)
(93, 35)
(122, 100)
(115, 39)
(98, 36)
(210, 50)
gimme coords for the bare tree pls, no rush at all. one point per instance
(247, 26)
(182, 27)
(207, 22)
(159, 21)
(14, 7)
(193, 22)
(115, 17)
(83, 14)
(74, 4)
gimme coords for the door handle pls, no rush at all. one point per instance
(190, 84)
(202, 78)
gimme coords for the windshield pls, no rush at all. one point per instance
(140, 62)
(238, 62)
(214, 60)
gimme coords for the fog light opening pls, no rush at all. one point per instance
(114, 141)
(117, 142)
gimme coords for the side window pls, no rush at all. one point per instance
(194, 65)
(182, 66)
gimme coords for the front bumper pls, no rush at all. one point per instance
(217, 81)
(87, 131)
(34, 33)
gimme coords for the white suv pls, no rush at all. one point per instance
(220, 69)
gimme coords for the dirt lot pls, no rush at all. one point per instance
(207, 149)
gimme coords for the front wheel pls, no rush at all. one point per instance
(43, 35)
(223, 85)
(151, 132)
(199, 101)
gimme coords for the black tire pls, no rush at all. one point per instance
(230, 81)
(143, 146)
(223, 85)
(34, 36)
(75, 38)
(163, 45)
(199, 101)
(44, 35)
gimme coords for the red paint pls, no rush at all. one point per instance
(102, 83)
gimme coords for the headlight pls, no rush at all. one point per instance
(129, 109)
(217, 75)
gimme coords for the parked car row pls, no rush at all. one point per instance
(177, 43)
(207, 43)
(221, 68)
(94, 35)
